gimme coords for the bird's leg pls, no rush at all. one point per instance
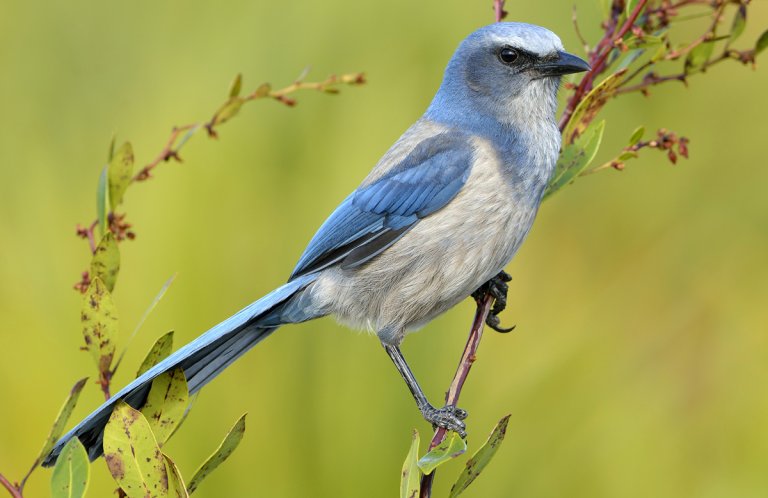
(497, 287)
(449, 417)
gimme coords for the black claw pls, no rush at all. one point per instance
(496, 287)
(493, 322)
(448, 417)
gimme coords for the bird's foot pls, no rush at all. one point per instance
(448, 417)
(496, 287)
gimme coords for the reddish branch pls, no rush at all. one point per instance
(181, 134)
(498, 10)
(468, 357)
(176, 140)
(598, 59)
(13, 490)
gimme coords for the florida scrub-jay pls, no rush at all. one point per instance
(441, 213)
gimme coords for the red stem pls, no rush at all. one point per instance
(597, 61)
(91, 239)
(498, 10)
(10, 487)
(468, 357)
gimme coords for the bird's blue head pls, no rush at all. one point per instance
(507, 72)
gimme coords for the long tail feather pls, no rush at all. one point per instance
(202, 360)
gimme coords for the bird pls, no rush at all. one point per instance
(441, 214)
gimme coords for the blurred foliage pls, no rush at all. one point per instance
(654, 316)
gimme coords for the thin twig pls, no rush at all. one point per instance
(575, 20)
(682, 77)
(468, 357)
(498, 10)
(15, 493)
(176, 140)
(597, 61)
(707, 37)
(23, 482)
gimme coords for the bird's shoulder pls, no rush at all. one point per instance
(419, 175)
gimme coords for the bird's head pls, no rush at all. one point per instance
(508, 71)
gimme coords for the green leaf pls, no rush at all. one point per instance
(625, 156)
(225, 449)
(630, 57)
(263, 90)
(158, 352)
(410, 480)
(132, 454)
(228, 110)
(699, 56)
(451, 447)
(153, 304)
(479, 460)
(660, 53)
(144, 316)
(70, 475)
(237, 84)
(101, 200)
(191, 403)
(61, 419)
(120, 174)
(739, 23)
(99, 318)
(590, 105)
(762, 42)
(575, 158)
(176, 486)
(636, 136)
(166, 403)
(105, 262)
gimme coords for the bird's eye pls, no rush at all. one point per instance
(508, 55)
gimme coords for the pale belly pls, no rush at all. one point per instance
(438, 263)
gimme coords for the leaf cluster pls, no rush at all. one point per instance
(453, 446)
(640, 50)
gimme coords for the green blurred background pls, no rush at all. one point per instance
(640, 360)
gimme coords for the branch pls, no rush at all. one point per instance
(468, 357)
(181, 134)
(176, 140)
(498, 10)
(597, 60)
(15, 493)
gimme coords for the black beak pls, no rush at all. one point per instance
(564, 64)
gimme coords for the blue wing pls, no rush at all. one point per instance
(378, 213)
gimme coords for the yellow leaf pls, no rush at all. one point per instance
(410, 480)
(166, 403)
(99, 319)
(176, 486)
(158, 352)
(105, 262)
(225, 449)
(120, 173)
(132, 454)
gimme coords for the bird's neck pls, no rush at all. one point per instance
(523, 129)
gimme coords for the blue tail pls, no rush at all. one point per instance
(202, 359)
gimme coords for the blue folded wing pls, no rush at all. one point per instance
(379, 212)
